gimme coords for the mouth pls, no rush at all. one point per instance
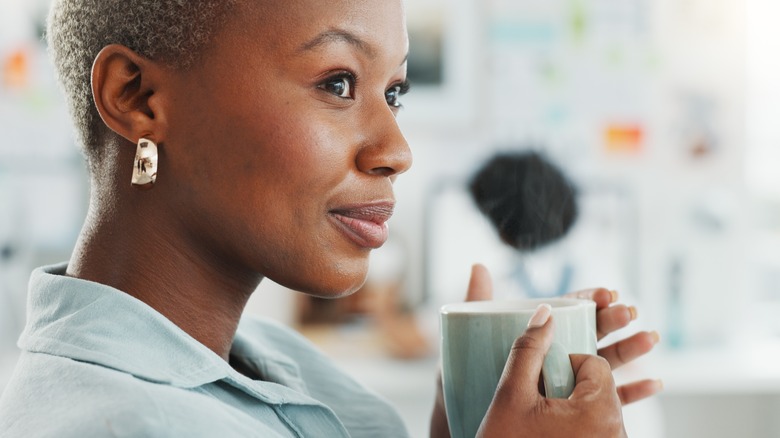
(365, 225)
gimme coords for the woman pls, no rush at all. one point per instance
(261, 141)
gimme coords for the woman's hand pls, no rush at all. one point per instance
(609, 318)
(518, 409)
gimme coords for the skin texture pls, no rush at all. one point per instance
(288, 118)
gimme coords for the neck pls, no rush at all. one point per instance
(144, 255)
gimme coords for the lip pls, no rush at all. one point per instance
(364, 224)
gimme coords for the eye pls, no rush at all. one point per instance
(341, 85)
(394, 93)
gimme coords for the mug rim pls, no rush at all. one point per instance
(511, 306)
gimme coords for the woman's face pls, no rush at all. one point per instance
(283, 144)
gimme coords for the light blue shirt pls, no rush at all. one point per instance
(97, 362)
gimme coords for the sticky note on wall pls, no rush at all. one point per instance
(623, 138)
(16, 70)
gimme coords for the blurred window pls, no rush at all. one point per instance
(763, 98)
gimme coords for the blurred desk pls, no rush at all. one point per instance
(714, 392)
(753, 368)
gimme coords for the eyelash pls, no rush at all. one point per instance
(349, 77)
(352, 81)
(403, 88)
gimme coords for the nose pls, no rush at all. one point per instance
(386, 153)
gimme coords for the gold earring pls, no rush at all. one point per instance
(145, 165)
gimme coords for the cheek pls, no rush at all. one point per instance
(308, 157)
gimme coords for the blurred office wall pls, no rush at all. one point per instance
(43, 187)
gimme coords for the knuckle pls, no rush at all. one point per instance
(525, 342)
(600, 362)
(620, 353)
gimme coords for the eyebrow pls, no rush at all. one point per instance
(338, 35)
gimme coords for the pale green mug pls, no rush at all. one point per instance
(476, 338)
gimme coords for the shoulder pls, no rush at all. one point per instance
(51, 396)
(55, 396)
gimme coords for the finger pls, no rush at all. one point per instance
(480, 284)
(594, 389)
(592, 375)
(636, 391)
(622, 352)
(603, 297)
(614, 318)
(524, 365)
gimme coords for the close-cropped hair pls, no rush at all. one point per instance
(170, 31)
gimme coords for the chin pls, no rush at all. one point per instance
(339, 289)
(334, 283)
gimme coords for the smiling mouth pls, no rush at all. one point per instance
(364, 225)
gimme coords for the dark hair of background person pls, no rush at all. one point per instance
(529, 200)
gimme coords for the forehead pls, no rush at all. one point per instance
(374, 26)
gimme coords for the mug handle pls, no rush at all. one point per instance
(557, 373)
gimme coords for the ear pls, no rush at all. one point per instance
(126, 88)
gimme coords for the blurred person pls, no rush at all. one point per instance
(528, 199)
(229, 141)
(531, 204)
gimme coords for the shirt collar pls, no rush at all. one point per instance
(95, 323)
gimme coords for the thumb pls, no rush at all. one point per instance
(524, 365)
(593, 376)
(480, 284)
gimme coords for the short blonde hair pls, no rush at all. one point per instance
(171, 31)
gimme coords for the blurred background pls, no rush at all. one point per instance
(660, 112)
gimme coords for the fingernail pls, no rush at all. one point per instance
(655, 336)
(659, 385)
(632, 310)
(614, 295)
(540, 316)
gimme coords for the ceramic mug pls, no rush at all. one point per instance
(476, 338)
